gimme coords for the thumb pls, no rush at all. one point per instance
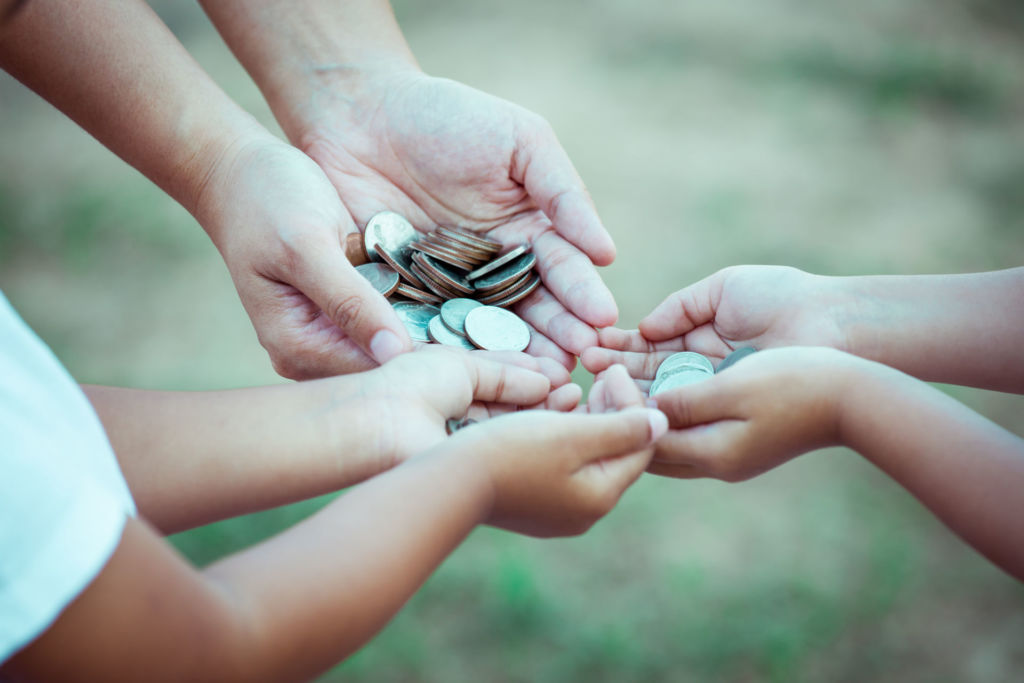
(608, 435)
(544, 169)
(351, 302)
(683, 311)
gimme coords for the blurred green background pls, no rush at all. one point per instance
(883, 136)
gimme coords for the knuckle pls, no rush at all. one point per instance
(345, 310)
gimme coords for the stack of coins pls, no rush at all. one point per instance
(450, 270)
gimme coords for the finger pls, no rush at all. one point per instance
(701, 403)
(504, 383)
(596, 399)
(549, 317)
(637, 365)
(541, 346)
(665, 469)
(549, 367)
(684, 310)
(541, 165)
(631, 340)
(351, 303)
(564, 399)
(620, 390)
(707, 448)
(571, 277)
(604, 435)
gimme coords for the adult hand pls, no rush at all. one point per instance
(280, 227)
(441, 153)
(765, 410)
(759, 306)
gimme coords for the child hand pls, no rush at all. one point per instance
(769, 408)
(759, 306)
(556, 474)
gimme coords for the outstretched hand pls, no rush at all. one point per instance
(442, 153)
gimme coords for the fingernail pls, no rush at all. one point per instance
(384, 346)
(658, 422)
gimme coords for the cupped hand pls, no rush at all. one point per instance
(767, 409)
(280, 227)
(442, 153)
(758, 306)
(412, 397)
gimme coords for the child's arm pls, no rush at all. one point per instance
(777, 404)
(962, 329)
(194, 457)
(294, 605)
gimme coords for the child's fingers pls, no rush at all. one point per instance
(668, 469)
(563, 399)
(620, 389)
(614, 475)
(610, 434)
(542, 346)
(700, 403)
(550, 368)
(617, 339)
(596, 400)
(504, 383)
(640, 365)
(715, 450)
(683, 311)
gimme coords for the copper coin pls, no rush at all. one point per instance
(383, 278)
(449, 257)
(418, 294)
(506, 275)
(517, 296)
(499, 262)
(389, 230)
(513, 288)
(471, 238)
(433, 285)
(355, 250)
(464, 250)
(450, 277)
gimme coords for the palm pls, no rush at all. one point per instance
(442, 153)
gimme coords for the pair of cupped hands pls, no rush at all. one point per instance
(441, 153)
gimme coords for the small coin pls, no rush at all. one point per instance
(389, 229)
(401, 263)
(470, 238)
(440, 333)
(416, 317)
(416, 294)
(684, 359)
(383, 278)
(433, 285)
(735, 357)
(355, 250)
(443, 273)
(678, 379)
(496, 329)
(506, 275)
(498, 262)
(454, 312)
(469, 253)
(519, 294)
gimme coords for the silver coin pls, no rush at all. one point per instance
(497, 329)
(735, 357)
(416, 318)
(454, 312)
(498, 262)
(383, 278)
(506, 275)
(389, 230)
(684, 359)
(448, 276)
(521, 292)
(678, 379)
(440, 333)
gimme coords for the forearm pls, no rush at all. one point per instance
(191, 458)
(960, 329)
(305, 55)
(967, 470)
(115, 69)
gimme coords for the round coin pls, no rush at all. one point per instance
(389, 229)
(497, 329)
(506, 275)
(454, 312)
(466, 251)
(416, 318)
(383, 278)
(415, 294)
(433, 285)
(684, 359)
(471, 238)
(678, 379)
(443, 273)
(498, 262)
(440, 333)
(449, 257)
(735, 357)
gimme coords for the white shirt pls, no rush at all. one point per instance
(63, 499)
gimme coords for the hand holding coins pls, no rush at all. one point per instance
(450, 287)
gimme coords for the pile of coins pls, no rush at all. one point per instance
(688, 367)
(455, 283)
